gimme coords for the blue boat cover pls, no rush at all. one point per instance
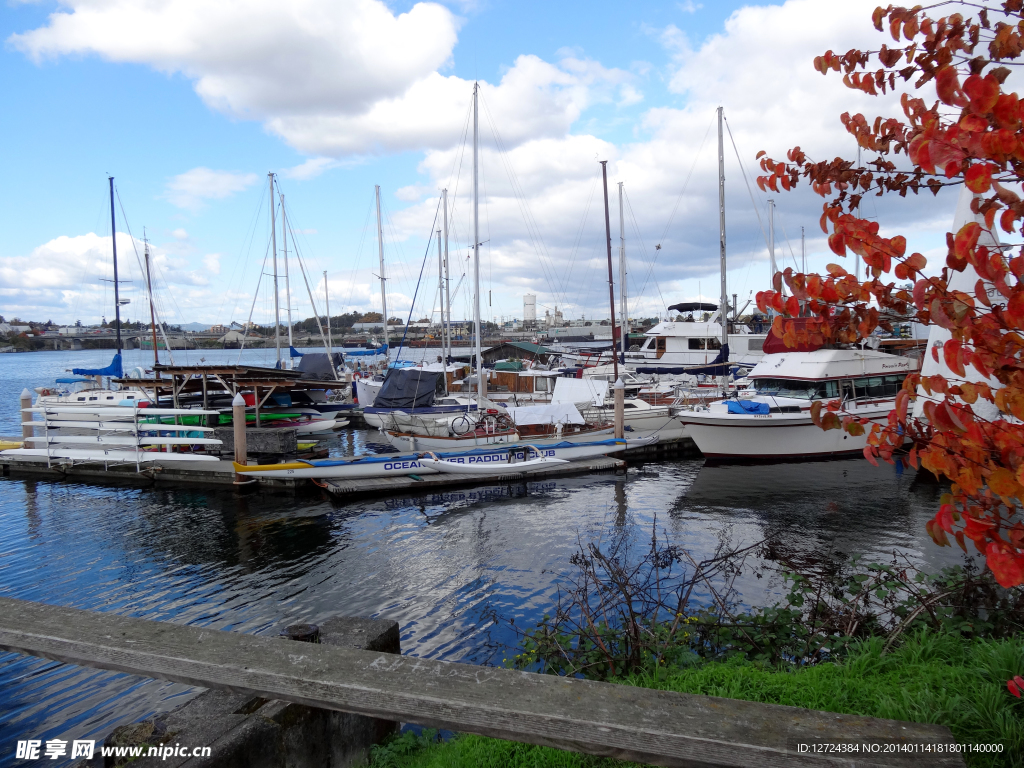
(381, 350)
(318, 365)
(409, 388)
(73, 381)
(114, 369)
(747, 406)
(294, 352)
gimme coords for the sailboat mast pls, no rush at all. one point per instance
(723, 316)
(481, 385)
(611, 282)
(287, 282)
(771, 240)
(447, 329)
(149, 291)
(327, 308)
(273, 242)
(440, 301)
(622, 278)
(113, 243)
(383, 280)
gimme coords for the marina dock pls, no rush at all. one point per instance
(222, 474)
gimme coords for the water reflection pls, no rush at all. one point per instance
(452, 568)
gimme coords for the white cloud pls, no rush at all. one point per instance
(351, 78)
(69, 278)
(330, 77)
(212, 263)
(309, 169)
(189, 190)
(689, 6)
(179, 234)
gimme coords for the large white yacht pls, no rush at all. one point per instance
(771, 420)
(688, 347)
(690, 344)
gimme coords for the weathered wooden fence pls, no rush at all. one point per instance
(621, 721)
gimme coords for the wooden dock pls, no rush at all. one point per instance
(222, 474)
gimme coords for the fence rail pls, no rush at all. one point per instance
(620, 721)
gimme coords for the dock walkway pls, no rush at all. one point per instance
(222, 474)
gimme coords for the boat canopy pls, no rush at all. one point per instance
(693, 306)
(293, 352)
(381, 350)
(551, 413)
(409, 388)
(114, 369)
(317, 365)
(75, 381)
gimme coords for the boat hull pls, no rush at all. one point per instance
(397, 465)
(724, 437)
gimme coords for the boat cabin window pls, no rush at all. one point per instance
(878, 386)
(94, 398)
(540, 384)
(755, 344)
(661, 345)
(797, 388)
(81, 398)
(647, 344)
(705, 343)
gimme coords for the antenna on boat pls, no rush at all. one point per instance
(273, 242)
(113, 243)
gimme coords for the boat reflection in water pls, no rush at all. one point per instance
(810, 510)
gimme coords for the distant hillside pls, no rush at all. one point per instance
(194, 326)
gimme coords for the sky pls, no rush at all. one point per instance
(189, 104)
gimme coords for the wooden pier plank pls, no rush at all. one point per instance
(621, 721)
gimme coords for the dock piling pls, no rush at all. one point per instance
(26, 414)
(238, 422)
(620, 408)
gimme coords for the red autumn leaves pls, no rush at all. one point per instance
(973, 430)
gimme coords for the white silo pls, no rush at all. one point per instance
(529, 310)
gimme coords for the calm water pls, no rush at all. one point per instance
(452, 569)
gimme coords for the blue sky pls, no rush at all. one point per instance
(634, 83)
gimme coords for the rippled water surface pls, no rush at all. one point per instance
(452, 569)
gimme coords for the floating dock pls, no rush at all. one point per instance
(222, 474)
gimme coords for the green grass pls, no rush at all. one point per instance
(931, 678)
